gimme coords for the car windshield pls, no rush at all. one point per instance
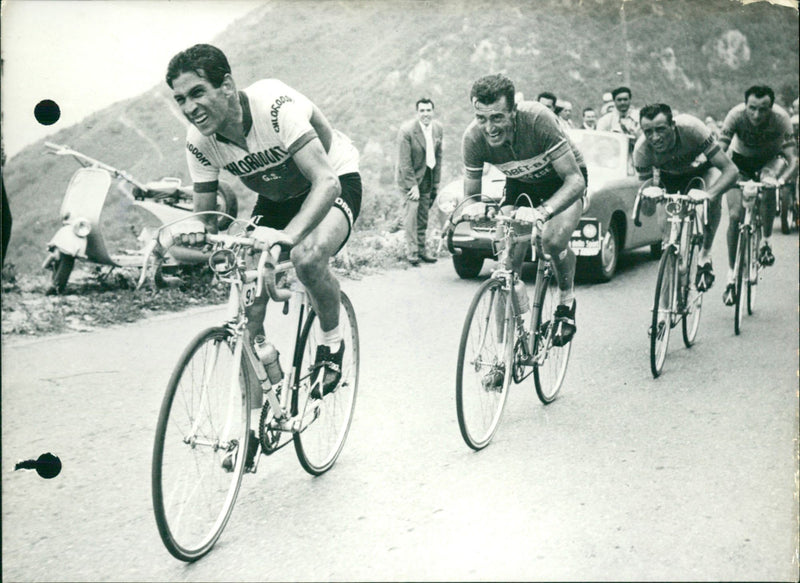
(602, 151)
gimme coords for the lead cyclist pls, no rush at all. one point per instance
(525, 142)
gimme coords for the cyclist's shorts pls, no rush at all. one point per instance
(681, 183)
(750, 168)
(538, 193)
(277, 215)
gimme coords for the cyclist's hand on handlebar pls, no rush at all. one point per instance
(531, 215)
(189, 233)
(271, 237)
(697, 195)
(771, 182)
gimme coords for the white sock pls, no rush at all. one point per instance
(731, 276)
(332, 339)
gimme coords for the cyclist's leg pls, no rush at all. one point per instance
(310, 258)
(712, 221)
(768, 210)
(735, 216)
(555, 243)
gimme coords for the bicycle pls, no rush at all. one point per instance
(203, 437)
(677, 298)
(747, 265)
(497, 344)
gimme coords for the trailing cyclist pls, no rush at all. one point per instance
(760, 134)
(526, 143)
(280, 145)
(683, 149)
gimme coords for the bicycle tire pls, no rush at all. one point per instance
(200, 386)
(482, 359)
(548, 376)
(754, 266)
(692, 298)
(319, 443)
(662, 319)
(742, 260)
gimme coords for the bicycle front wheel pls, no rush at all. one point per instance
(663, 305)
(484, 372)
(692, 298)
(551, 367)
(742, 271)
(201, 438)
(325, 422)
(753, 268)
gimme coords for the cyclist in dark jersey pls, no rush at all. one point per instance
(683, 150)
(526, 143)
(760, 135)
(279, 144)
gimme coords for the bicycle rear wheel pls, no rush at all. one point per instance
(753, 268)
(484, 373)
(692, 297)
(663, 305)
(548, 375)
(204, 419)
(326, 421)
(742, 269)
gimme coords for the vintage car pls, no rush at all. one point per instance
(606, 227)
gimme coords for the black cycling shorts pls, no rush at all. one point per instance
(538, 193)
(681, 183)
(750, 168)
(277, 215)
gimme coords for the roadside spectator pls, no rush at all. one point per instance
(623, 118)
(548, 99)
(589, 119)
(564, 112)
(419, 169)
(608, 104)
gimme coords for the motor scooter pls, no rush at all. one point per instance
(81, 234)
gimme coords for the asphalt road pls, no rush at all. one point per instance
(688, 477)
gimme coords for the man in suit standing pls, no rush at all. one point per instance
(419, 169)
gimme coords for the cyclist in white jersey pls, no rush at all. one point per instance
(279, 144)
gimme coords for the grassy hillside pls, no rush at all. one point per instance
(365, 63)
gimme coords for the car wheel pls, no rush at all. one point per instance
(603, 266)
(467, 264)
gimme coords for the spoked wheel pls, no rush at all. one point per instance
(752, 273)
(663, 304)
(742, 269)
(484, 364)
(548, 374)
(198, 456)
(326, 421)
(692, 298)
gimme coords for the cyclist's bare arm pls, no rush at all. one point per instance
(205, 199)
(573, 183)
(789, 152)
(472, 187)
(313, 162)
(721, 161)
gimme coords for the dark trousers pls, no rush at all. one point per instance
(415, 216)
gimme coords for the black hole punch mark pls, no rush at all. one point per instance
(46, 465)
(47, 112)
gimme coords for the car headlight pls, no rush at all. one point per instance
(82, 227)
(589, 231)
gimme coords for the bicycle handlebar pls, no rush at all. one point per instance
(663, 196)
(268, 263)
